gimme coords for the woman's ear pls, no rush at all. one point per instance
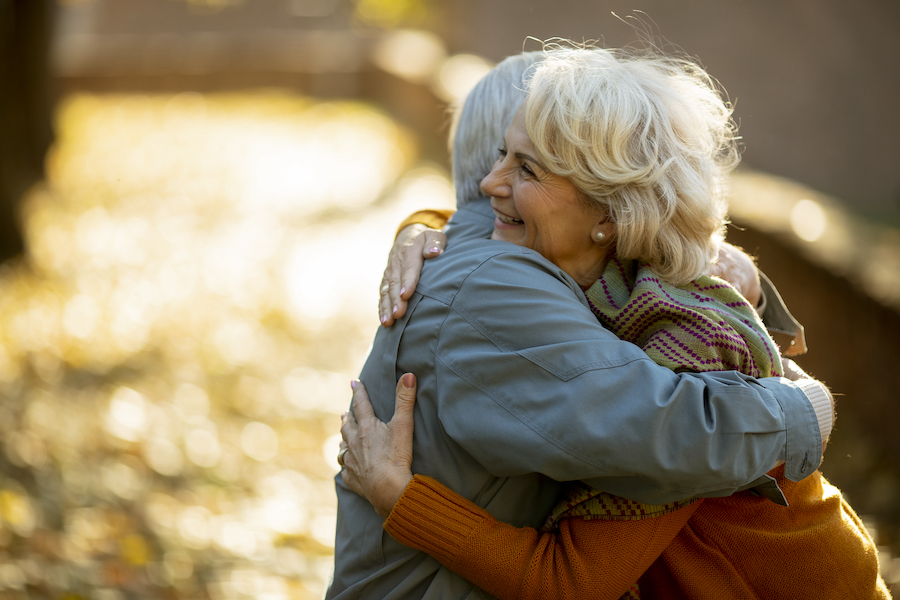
(603, 231)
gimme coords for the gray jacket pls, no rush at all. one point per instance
(519, 387)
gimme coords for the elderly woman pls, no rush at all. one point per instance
(613, 170)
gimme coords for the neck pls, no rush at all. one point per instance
(588, 269)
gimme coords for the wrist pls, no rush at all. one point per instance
(390, 493)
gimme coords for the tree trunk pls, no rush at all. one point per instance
(25, 113)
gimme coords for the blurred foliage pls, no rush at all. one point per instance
(174, 356)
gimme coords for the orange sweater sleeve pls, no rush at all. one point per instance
(584, 559)
(434, 218)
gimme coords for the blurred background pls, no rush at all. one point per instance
(196, 202)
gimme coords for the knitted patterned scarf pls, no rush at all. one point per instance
(705, 325)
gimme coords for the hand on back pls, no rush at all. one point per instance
(413, 245)
(377, 457)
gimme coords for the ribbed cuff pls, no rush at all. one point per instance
(429, 517)
(822, 402)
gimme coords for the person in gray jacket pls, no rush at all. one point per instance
(520, 387)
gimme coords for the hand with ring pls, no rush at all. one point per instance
(377, 457)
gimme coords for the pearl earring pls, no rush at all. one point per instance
(599, 236)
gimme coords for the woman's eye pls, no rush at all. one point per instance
(502, 152)
(528, 170)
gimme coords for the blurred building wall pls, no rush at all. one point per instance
(854, 345)
(816, 83)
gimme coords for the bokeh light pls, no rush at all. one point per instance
(412, 54)
(459, 74)
(175, 355)
(808, 220)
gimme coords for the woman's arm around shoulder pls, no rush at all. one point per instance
(581, 559)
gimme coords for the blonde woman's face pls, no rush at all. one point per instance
(539, 210)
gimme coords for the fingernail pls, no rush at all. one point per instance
(435, 250)
(402, 291)
(395, 310)
(383, 319)
(352, 384)
(409, 381)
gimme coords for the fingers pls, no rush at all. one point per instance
(391, 280)
(385, 305)
(348, 479)
(391, 301)
(349, 474)
(362, 406)
(390, 286)
(349, 427)
(411, 261)
(431, 243)
(402, 274)
(395, 287)
(434, 242)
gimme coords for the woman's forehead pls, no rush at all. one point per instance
(517, 134)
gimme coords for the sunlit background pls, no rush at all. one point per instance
(204, 247)
(173, 364)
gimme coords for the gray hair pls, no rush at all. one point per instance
(649, 138)
(479, 125)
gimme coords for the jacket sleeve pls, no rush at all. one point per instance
(531, 382)
(583, 559)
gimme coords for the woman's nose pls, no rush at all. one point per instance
(494, 184)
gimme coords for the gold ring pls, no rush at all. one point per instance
(341, 456)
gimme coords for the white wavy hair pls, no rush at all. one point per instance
(647, 137)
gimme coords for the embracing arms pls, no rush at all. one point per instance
(520, 348)
(581, 559)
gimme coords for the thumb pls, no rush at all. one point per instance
(434, 243)
(404, 403)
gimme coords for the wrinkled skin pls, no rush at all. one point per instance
(378, 461)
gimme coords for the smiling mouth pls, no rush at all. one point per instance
(507, 219)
